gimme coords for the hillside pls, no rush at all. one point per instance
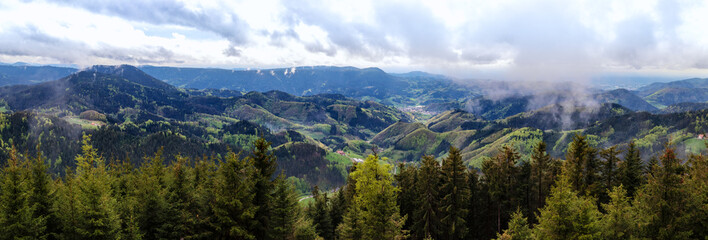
(683, 107)
(674, 95)
(130, 112)
(686, 83)
(478, 139)
(126, 108)
(625, 98)
(365, 84)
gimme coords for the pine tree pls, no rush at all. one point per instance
(352, 227)
(124, 192)
(407, 197)
(501, 176)
(697, 185)
(374, 213)
(265, 165)
(454, 194)
(349, 227)
(95, 203)
(207, 184)
(153, 209)
(581, 166)
(609, 172)
(43, 221)
(67, 207)
(543, 173)
(285, 209)
(304, 230)
(652, 167)
(662, 199)
(427, 215)
(319, 213)
(518, 228)
(14, 212)
(476, 206)
(567, 215)
(338, 208)
(233, 208)
(631, 170)
(621, 221)
(180, 199)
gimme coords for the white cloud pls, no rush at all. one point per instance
(539, 40)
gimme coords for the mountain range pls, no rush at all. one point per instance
(321, 119)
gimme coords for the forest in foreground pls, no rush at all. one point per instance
(593, 194)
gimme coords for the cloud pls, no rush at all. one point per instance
(216, 19)
(537, 40)
(31, 41)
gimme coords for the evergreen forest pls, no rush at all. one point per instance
(608, 193)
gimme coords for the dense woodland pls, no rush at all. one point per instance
(593, 194)
(154, 161)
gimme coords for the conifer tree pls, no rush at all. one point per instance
(582, 166)
(426, 217)
(609, 172)
(543, 171)
(476, 207)
(621, 220)
(652, 167)
(14, 212)
(180, 199)
(67, 207)
(338, 208)
(631, 170)
(567, 215)
(454, 194)
(285, 209)
(349, 227)
(374, 213)
(265, 165)
(697, 185)
(95, 202)
(408, 196)
(233, 208)
(352, 227)
(153, 209)
(662, 199)
(319, 213)
(304, 230)
(500, 174)
(43, 222)
(207, 182)
(124, 187)
(518, 228)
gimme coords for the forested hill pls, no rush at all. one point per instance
(605, 126)
(367, 83)
(131, 115)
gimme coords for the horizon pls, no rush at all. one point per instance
(605, 81)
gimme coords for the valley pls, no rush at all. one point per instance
(321, 129)
(401, 116)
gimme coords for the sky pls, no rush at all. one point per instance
(528, 40)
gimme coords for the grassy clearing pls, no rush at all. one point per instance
(694, 145)
(85, 124)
